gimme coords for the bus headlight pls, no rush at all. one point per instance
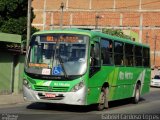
(78, 86)
(26, 83)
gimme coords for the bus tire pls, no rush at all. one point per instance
(103, 99)
(136, 97)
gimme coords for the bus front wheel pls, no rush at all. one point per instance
(136, 97)
(103, 99)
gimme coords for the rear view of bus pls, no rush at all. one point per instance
(56, 67)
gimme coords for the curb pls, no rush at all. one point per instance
(11, 99)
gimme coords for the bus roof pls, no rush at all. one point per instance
(92, 34)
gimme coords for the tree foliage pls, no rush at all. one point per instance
(13, 17)
(114, 32)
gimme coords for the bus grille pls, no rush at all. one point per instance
(50, 89)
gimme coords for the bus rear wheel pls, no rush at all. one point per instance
(103, 99)
(136, 97)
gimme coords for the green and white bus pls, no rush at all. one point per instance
(83, 67)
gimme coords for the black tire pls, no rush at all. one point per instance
(136, 97)
(103, 99)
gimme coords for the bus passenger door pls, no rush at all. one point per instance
(94, 74)
(94, 59)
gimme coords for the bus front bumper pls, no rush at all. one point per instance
(72, 98)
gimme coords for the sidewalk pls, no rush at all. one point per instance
(11, 99)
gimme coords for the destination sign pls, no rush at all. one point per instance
(68, 39)
(43, 65)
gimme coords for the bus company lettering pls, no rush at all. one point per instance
(125, 75)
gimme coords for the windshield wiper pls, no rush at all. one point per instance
(61, 62)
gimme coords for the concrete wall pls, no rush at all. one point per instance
(6, 73)
(11, 72)
(18, 75)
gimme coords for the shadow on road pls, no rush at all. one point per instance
(61, 107)
(124, 102)
(79, 109)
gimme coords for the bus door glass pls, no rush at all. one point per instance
(94, 58)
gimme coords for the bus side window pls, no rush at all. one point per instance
(118, 56)
(146, 62)
(128, 54)
(138, 56)
(106, 51)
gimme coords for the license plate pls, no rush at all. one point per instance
(156, 84)
(49, 95)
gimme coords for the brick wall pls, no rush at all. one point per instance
(141, 16)
(101, 4)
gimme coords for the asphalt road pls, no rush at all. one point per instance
(149, 104)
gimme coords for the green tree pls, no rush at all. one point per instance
(114, 32)
(13, 17)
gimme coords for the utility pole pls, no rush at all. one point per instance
(147, 37)
(96, 21)
(28, 23)
(61, 19)
(141, 28)
(155, 41)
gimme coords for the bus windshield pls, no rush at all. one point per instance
(58, 54)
